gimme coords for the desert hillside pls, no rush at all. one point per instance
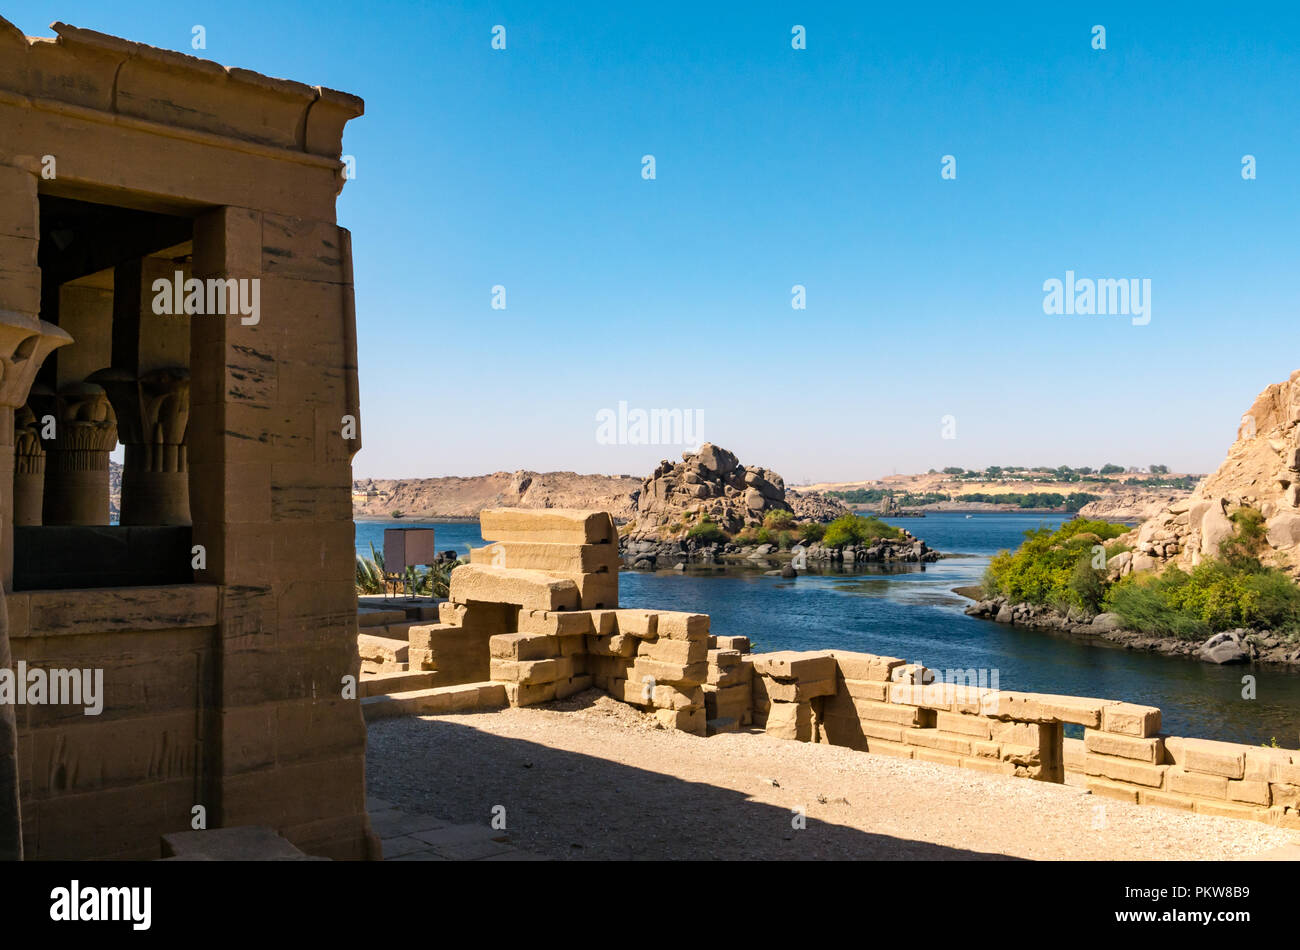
(457, 497)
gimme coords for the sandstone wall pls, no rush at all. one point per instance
(258, 729)
(887, 706)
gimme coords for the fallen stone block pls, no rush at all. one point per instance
(681, 625)
(565, 623)
(671, 673)
(530, 590)
(692, 721)
(551, 525)
(524, 646)
(789, 664)
(531, 672)
(1130, 720)
(684, 652)
(544, 556)
(790, 721)
(642, 624)
(739, 644)
(616, 645)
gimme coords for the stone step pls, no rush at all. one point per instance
(379, 618)
(397, 631)
(381, 654)
(382, 684)
(466, 697)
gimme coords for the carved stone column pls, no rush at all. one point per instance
(153, 413)
(76, 463)
(25, 341)
(29, 469)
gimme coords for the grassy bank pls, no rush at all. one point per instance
(1067, 568)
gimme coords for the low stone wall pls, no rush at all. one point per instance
(887, 706)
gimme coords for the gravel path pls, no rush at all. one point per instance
(591, 778)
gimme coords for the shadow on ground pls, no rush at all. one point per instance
(567, 805)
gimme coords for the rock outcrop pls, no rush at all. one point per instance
(1132, 505)
(814, 506)
(1262, 471)
(709, 483)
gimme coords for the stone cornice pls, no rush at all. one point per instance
(115, 76)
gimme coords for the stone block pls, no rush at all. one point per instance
(682, 625)
(692, 721)
(1125, 747)
(524, 646)
(530, 590)
(865, 666)
(790, 721)
(555, 558)
(684, 652)
(934, 739)
(1116, 790)
(789, 664)
(1125, 770)
(888, 712)
(1196, 783)
(551, 525)
(1129, 719)
(672, 673)
(642, 624)
(800, 690)
(1211, 757)
(740, 644)
(531, 672)
(965, 725)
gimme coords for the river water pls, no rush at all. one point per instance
(912, 613)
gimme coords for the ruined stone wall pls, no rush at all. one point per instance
(887, 706)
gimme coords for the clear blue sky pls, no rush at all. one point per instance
(777, 167)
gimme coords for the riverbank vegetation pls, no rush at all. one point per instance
(1065, 569)
(1054, 501)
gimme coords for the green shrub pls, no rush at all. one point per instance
(785, 540)
(707, 532)
(854, 529)
(1043, 569)
(778, 520)
(811, 532)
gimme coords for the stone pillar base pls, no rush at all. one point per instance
(154, 498)
(76, 488)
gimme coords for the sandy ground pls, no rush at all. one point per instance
(592, 778)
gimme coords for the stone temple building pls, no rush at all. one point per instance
(172, 280)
